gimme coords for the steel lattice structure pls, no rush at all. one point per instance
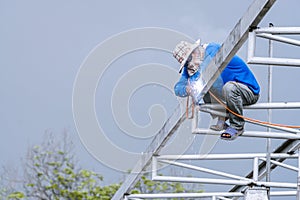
(249, 185)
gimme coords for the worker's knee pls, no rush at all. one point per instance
(229, 88)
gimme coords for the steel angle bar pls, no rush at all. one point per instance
(269, 112)
(283, 193)
(273, 105)
(251, 45)
(291, 130)
(202, 180)
(133, 198)
(279, 30)
(256, 134)
(276, 184)
(221, 113)
(279, 38)
(224, 181)
(225, 156)
(282, 165)
(204, 194)
(274, 61)
(298, 178)
(294, 148)
(185, 195)
(219, 110)
(195, 119)
(255, 169)
(202, 169)
(223, 198)
(154, 166)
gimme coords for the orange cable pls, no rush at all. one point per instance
(251, 119)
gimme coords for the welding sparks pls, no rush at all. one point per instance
(197, 88)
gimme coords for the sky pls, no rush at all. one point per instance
(45, 45)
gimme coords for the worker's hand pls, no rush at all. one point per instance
(188, 90)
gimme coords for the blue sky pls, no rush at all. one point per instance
(44, 43)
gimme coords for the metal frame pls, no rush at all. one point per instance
(266, 33)
(272, 160)
(231, 45)
(272, 33)
(217, 110)
(255, 13)
(231, 179)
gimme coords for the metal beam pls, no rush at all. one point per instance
(279, 39)
(279, 30)
(184, 195)
(219, 110)
(205, 170)
(274, 61)
(224, 181)
(272, 105)
(282, 165)
(234, 41)
(227, 156)
(204, 194)
(257, 134)
(171, 125)
(289, 146)
(271, 34)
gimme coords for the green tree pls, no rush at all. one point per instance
(51, 172)
(9, 181)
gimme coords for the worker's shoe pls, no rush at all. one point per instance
(231, 133)
(221, 125)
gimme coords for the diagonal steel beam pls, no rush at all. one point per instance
(158, 142)
(289, 146)
(234, 41)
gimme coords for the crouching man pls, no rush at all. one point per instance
(236, 85)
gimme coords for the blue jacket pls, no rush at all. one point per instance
(236, 70)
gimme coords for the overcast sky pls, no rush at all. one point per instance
(44, 44)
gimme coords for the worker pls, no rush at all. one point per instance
(236, 85)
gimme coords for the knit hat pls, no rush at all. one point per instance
(183, 50)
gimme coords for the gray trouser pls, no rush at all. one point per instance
(236, 96)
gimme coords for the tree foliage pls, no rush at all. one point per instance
(52, 173)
